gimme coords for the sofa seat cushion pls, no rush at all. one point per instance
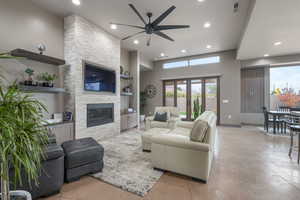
(158, 124)
(199, 131)
(53, 151)
(81, 152)
(181, 131)
(147, 135)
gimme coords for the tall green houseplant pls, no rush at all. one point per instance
(22, 136)
(197, 108)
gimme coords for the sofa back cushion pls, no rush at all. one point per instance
(199, 131)
(211, 119)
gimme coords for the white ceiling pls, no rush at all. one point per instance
(225, 32)
(272, 21)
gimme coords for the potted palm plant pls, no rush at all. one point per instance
(22, 140)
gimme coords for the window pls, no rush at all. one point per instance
(193, 62)
(171, 65)
(202, 61)
(284, 87)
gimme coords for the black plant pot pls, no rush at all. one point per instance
(29, 83)
(45, 84)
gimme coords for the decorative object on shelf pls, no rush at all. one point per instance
(121, 69)
(30, 73)
(150, 91)
(127, 89)
(41, 48)
(68, 116)
(48, 79)
(127, 73)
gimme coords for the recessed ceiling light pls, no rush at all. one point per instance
(206, 25)
(208, 46)
(113, 26)
(200, 0)
(76, 2)
(162, 54)
(136, 42)
(183, 51)
(266, 55)
(277, 43)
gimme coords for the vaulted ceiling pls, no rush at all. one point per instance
(225, 32)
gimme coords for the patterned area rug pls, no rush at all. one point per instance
(126, 165)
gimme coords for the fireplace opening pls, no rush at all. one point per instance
(99, 114)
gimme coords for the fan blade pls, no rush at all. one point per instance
(149, 41)
(161, 34)
(137, 12)
(133, 35)
(163, 16)
(169, 27)
(132, 26)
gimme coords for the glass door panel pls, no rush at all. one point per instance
(169, 93)
(181, 94)
(211, 95)
(196, 93)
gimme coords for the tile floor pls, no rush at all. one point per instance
(247, 166)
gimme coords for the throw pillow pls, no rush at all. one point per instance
(199, 131)
(161, 116)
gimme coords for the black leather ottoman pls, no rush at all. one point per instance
(83, 156)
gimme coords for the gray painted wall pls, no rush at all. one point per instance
(228, 69)
(24, 25)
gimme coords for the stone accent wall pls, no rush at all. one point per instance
(85, 41)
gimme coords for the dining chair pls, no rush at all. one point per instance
(270, 120)
(294, 109)
(294, 127)
(284, 108)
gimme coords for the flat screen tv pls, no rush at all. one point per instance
(98, 79)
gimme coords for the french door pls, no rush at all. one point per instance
(186, 93)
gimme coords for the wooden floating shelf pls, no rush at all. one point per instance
(37, 57)
(126, 93)
(123, 76)
(38, 89)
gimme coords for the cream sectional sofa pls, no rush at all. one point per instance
(175, 152)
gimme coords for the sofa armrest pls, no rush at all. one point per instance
(185, 124)
(180, 142)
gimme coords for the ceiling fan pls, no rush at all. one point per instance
(153, 27)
